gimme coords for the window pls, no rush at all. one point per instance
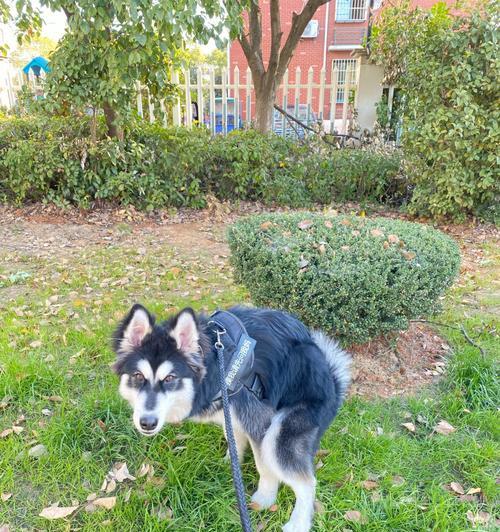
(311, 30)
(347, 71)
(350, 10)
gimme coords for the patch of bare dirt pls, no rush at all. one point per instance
(382, 368)
(400, 365)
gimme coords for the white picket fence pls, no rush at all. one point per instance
(224, 103)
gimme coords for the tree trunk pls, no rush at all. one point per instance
(264, 107)
(266, 82)
(111, 117)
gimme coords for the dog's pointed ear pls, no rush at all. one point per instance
(185, 332)
(133, 329)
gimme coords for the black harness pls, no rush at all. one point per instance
(238, 355)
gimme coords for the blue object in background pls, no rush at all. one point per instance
(37, 64)
(233, 121)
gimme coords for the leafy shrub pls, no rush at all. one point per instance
(447, 67)
(357, 175)
(250, 165)
(55, 159)
(351, 276)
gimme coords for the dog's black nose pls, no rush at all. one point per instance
(148, 422)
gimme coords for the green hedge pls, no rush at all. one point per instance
(54, 159)
(353, 277)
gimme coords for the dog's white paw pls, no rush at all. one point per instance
(292, 527)
(261, 501)
(295, 526)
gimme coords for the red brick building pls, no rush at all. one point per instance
(337, 29)
(336, 36)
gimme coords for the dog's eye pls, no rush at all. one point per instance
(169, 378)
(138, 376)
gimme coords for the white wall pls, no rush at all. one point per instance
(370, 93)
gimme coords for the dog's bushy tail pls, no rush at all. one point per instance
(338, 360)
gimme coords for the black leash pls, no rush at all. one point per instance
(235, 465)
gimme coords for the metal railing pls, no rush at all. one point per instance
(351, 10)
(347, 37)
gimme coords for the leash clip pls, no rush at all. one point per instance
(219, 332)
(218, 344)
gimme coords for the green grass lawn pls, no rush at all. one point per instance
(54, 370)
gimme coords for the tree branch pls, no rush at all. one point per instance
(252, 44)
(276, 34)
(299, 23)
(255, 27)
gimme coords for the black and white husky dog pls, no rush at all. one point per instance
(168, 373)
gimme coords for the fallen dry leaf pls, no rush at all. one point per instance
(409, 426)
(457, 488)
(323, 452)
(303, 263)
(473, 491)
(121, 473)
(397, 480)
(4, 528)
(443, 427)
(481, 518)
(57, 512)
(468, 498)
(254, 506)
(35, 344)
(376, 232)
(304, 224)
(328, 224)
(393, 239)
(111, 486)
(409, 255)
(355, 517)
(143, 470)
(273, 508)
(369, 484)
(319, 507)
(91, 497)
(55, 398)
(5, 496)
(105, 502)
(37, 451)
(17, 429)
(5, 433)
(157, 481)
(163, 513)
(266, 225)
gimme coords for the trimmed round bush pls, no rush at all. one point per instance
(353, 277)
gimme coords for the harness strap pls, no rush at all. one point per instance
(238, 355)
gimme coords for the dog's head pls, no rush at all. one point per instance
(159, 365)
